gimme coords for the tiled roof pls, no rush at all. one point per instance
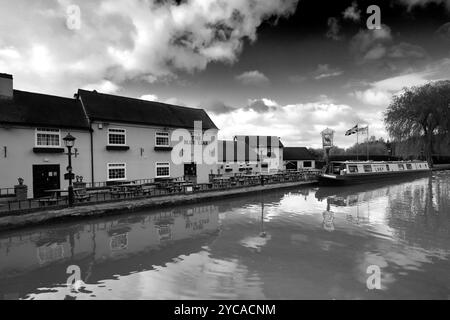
(35, 109)
(105, 107)
(297, 153)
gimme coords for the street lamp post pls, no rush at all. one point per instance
(69, 141)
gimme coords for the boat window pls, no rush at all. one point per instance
(401, 167)
(367, 168)
(387, 168)
(353, 169)
(409, 166)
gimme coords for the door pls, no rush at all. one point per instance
(45, 177)
(190, 172)
(291, 165)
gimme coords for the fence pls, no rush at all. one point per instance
(147, 188)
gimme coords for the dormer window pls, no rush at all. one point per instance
(117, 137)
(48, 138)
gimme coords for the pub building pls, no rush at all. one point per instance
(117, 139)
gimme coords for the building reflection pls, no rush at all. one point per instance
(328, 218)
(112, 246)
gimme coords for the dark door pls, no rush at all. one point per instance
(291, 165)
(190, 172)
(45, 177)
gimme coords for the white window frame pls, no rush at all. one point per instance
(162, 134)
(159, 165)
(119, 131)
(47, 131)
(118, 166)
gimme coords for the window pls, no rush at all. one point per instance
(307, 164)
(353, 169)
(387, 167)
(409, 166)
(48, 138)
(117, 137)
(162, 170)
(162, 139)
(117, 171)
(401, 167)
(367, 168)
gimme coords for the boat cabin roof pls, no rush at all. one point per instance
(375, 162)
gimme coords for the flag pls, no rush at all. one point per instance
(364, 130)
(352, 131)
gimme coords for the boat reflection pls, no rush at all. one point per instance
(103, 249)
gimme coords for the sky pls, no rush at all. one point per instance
(288, 68)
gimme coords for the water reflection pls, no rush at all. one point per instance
(299, 243)
(134, 239)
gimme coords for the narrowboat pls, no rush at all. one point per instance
(354, 172)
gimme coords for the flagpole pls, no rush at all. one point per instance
(357, 135)
(367, 142)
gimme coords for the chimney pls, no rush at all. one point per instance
(6, 86)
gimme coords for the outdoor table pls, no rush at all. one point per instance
(56, 193)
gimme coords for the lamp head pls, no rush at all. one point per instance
(69, 140)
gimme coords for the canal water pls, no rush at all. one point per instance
(301, 243)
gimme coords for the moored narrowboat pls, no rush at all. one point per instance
(353, 172)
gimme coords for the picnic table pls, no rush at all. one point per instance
(126, 190)
(55, 196)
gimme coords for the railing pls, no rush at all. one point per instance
(107, 184)
(147, 188)
(7, 192)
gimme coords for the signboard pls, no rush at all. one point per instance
(67, 176)
(327, 138)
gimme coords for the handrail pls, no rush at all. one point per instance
(102, 196)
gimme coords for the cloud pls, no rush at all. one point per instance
(333, 29)
(370, 44)
(175, 101)
(406, 50)
(443, 31)
(352, 12)
(378, 47)
(422, 3)
(149, 97)
(216, 107)
(324, 71)
(253, 78)
(104, 86)
(297, 124)
(374, 97)
(124, 40)
(379, 93)
(261, 105)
